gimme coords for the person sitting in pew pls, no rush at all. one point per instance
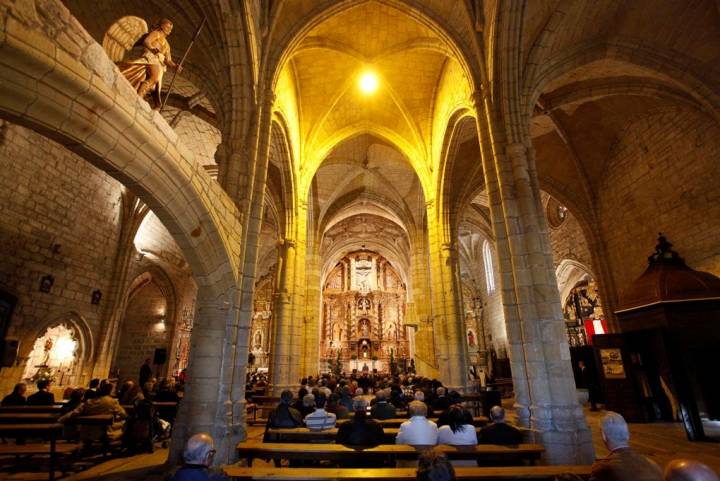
(92, 391)
(419, 430)
(17, 397)
(382, 408)
(198, 457)
(43, 397)
(420, 396)
(360, 431)
(623, 463)
(434, 466)
(334, 406)
(285, 416)
(102, 404)
(499, 432)
(320, 419)
(74, 400)
(459, 430)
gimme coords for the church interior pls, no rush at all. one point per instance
(499, 195)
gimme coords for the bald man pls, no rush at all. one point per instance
(622, 464)
(198, 456)
(689, 470)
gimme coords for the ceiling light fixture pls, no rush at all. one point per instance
(368, 82)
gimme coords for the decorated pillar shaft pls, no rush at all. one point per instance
(545, 397)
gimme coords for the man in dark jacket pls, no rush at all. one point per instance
(145, 373)
(360, 431)
(499, 432)
(198, 456)
(382, 408)
(17, 397)
(43, 397)
(622, 464)
(285, 416)
(92, 393)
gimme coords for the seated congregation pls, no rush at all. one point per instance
(100, 420)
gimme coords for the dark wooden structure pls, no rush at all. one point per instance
(487, 454)
(535, 473)
(665, 359)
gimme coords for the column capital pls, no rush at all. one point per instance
(287, 242)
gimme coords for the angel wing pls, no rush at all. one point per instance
(122, 36)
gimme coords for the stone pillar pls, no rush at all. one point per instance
(280, 357)
(312, 317)
(457, 352)
(207, 405)
(447, 318)
(545, 397)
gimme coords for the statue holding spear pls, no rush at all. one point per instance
(146, 73)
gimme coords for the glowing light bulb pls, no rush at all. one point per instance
(368, 82)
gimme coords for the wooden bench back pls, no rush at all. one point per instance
(534, 473)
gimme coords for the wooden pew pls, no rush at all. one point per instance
(530, 473)
(304, 435)
(396, 422)
(50, 408)
(384, 452)
(50, 430)
(28, 418)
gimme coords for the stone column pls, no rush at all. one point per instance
(449, 333)
(457, 352)
(280, 357)
(207, 405)
(312, 317)
(545, 397)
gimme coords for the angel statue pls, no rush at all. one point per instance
(144, 73)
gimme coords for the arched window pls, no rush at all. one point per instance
(489, 272)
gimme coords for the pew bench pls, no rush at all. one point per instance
(50, 408)
(489, 453)
(50, 431)
(478, 421)
(530, 473)
(28, 418)
(305, 435)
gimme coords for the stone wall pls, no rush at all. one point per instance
(662, 176)
(58, 216)
(146, 327)
(568, 241)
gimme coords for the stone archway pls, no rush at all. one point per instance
(74, 95)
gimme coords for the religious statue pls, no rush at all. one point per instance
(471, 339)
(146, 72)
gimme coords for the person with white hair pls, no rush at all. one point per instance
(382, 409)
(689, 470)
(441, 402)
(419, 430)
(499, 432)
(622, 464)
(198, 457)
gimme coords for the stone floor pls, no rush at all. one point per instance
(660, 441)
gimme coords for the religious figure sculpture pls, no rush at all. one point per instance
(146, 73)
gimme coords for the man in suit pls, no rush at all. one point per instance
(419, 430)
(499, 432)
(622, 464)
(441, 402)
(360, 431)
(43, 397)
(382, 408)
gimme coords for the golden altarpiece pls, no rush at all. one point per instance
(363, 311)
